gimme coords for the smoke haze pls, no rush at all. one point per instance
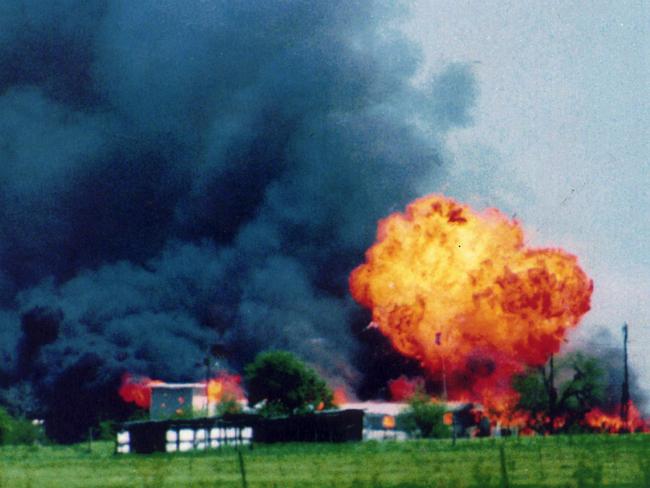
(182, 173)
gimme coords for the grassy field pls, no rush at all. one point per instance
(562, 461)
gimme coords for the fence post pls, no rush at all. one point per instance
(242, 469)
(453, 429)
(504, 472)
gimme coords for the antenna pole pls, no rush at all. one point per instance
(625, 393)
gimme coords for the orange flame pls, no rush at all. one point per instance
(224, 387)
(339, 396)
(137, 389)
(612, 422)
(404, 388)
(388, 422)
(459, 291)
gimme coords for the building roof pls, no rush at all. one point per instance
(395, 408)
(381, 408)
(178, 386)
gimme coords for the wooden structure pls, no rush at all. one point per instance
(328, 426)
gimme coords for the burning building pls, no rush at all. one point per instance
(182, 417)
(186, 416)
(381, 419)
(181, 435)
(386, 421)
(166, 400)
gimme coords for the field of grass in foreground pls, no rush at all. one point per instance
(561, 461)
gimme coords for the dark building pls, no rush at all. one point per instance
(181, 435)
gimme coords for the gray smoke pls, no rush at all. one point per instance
(175, 174)
(608, 350)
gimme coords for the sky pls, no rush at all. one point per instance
(559, 137)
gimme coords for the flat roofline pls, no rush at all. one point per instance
(172, 386)
(394, 408)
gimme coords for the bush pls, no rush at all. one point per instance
(107, 430)
(18, 430)
(228, 405)
(424, 417)
(25, 432)
(6, 423)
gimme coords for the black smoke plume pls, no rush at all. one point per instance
(183, 173)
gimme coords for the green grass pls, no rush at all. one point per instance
(561, 461)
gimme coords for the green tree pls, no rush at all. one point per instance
(285, 384)
(567, 390)
(424, 417)
(17, 430)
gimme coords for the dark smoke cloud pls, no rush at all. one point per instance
(181, 173)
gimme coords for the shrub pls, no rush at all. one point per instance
(18, 430)
(107, 430)
(5, 426)
(228, 405)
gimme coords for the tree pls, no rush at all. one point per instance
(424, 417)
(285, 384)
(17, 430)
(581, 388)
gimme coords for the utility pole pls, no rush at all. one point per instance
(625, 393)
(212, 356)
(207, 361)
(438, 341)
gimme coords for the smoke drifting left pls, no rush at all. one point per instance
(180, 173)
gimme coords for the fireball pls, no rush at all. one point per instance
(459, 291)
